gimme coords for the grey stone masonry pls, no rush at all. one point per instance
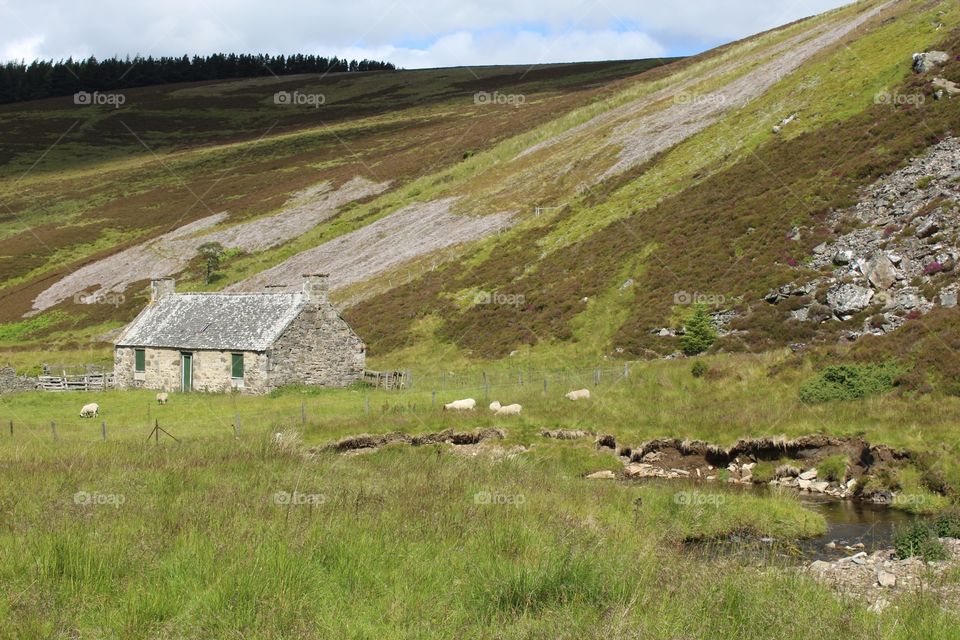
(284, 339)
(10, 382)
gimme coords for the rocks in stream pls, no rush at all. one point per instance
(880, 576)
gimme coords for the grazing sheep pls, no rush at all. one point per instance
(468, 404)
(91, 410)
(509, 410)
(495, 406)
(580, 394)
(162, 398)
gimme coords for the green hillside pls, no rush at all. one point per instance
(617, 190)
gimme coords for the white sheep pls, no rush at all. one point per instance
(579, 394)
(495, 406)
(91, 410)
(162, 397)
(468, 404)
(509, 410)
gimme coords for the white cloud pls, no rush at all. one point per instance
(412, 33)
(525, 47)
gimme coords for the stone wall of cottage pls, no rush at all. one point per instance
(211, 371)
(318, 348)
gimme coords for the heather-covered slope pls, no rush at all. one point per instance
(571, 207)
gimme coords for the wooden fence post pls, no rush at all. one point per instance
(236, 427)
(303, 412)
(103, 430)
(11, 427)
(626, 370)
(596, 378)
(53, 428)
(486, 386)
(433, 398)
(366, 405)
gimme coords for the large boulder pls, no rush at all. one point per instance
(944, 86)
(879, 271)
(923, 62)
(848, 299)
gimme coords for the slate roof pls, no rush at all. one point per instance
(218, 321)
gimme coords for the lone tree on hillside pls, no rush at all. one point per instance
(212, 254)
(699, 333)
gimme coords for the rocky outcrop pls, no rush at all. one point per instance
(904, 240)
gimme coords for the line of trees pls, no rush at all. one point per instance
(46, 78)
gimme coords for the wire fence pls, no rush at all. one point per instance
(224, 415)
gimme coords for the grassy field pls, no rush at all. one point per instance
(228, 536)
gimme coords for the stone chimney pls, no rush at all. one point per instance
(316, 286)
(162, 287)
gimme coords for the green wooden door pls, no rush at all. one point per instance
(186, 372)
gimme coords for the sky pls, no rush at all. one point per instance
(409, 33)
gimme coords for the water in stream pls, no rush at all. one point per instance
(850, 523)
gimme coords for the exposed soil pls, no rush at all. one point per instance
(402, 236)
(170, 253)
(448, 436)
(797, 463)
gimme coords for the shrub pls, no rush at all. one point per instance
(698, 370)
(699, 334)
(833, 468)
(933, 268)
(849, 382)
(947, 524)
(924, 182)
(918, 539)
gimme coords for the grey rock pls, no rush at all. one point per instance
(948, 297)
(602, 475)
(809, 474)
(886, 579)
(843, 257)
(880, 272)
(847, 299)
(923, 62)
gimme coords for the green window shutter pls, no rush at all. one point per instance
(140, 358)
(236, 368)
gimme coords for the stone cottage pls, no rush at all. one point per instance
(251, 342)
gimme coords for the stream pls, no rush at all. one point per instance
(849, 523)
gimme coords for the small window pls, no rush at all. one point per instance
(140, 360)
(236, 366)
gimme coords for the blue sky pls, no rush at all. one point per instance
(410, 33)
